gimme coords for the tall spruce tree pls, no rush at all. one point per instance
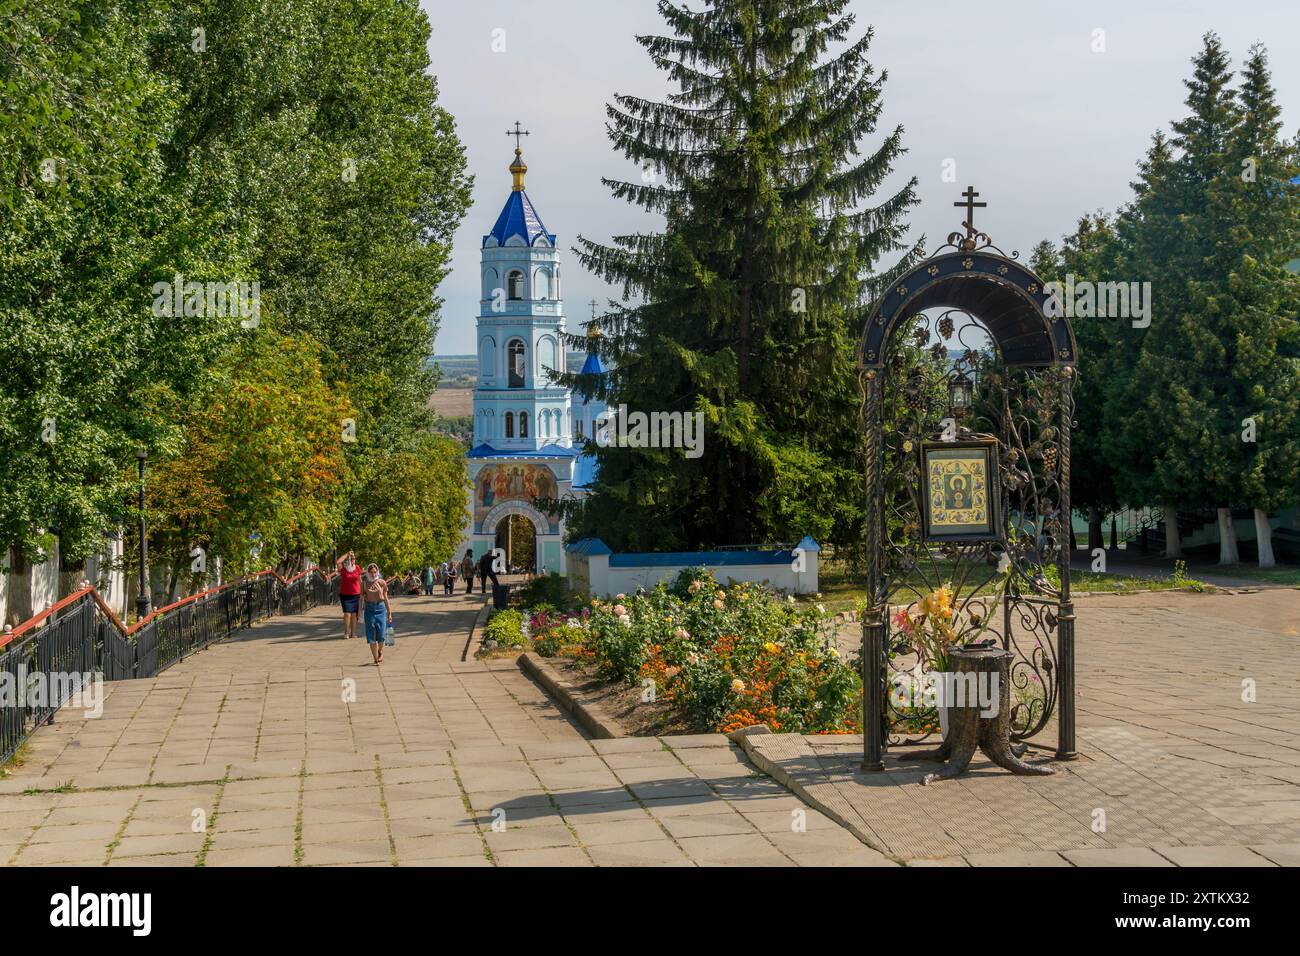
(1093, 253)
(747, 306)
(1257, 298)
(1181, 358)
(1213, 224)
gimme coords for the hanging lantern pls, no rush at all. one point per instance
(961, 393)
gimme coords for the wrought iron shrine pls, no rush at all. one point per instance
(972, 362)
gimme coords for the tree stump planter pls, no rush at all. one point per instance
(972, 668)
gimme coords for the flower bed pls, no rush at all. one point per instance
(722, 658)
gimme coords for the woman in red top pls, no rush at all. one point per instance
(349, 592)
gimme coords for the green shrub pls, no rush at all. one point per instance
(548, 645)
(726, 658)
(546, 589)
(507, 629)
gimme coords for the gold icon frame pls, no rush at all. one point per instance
(960, 491)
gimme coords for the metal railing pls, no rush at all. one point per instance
(80, 635)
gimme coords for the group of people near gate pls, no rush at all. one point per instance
(367, 587)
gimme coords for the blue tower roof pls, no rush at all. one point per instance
(518, 218)
(593, 365)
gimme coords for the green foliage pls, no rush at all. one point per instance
(296, 143)
(751, 298)
(1181, 579)
(407, 508)
(1212, 225)
(548, 590)
(723, 657)
(262, 456)
(506, 628)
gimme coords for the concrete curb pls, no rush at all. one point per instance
(781, 776)
(475, 641)
(591, 717)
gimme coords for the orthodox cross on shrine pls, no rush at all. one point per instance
(517, 133)
(971, 205)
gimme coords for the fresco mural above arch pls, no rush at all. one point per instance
(498, 483)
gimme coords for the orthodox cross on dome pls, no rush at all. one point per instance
(516, 133)
(593, 327)
(518, 167)
(971, 205)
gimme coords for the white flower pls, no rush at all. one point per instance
(619, 597)
(789, 598)
(681, 634)
(625, 620)
(821, 608)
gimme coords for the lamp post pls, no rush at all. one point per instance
(142, 600)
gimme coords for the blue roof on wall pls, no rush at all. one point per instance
(546, 451)
(588, 546)
(518, 218)
(689, 559)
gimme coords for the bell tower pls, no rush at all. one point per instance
(518, 405)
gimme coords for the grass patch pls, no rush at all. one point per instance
(842, 591)
(1282, 574)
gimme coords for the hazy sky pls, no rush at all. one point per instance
(1045, 128)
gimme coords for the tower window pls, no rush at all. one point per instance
(523, 424)
(510, 424)
(517, 369)
(515, 285)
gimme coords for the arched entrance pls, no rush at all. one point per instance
(517, 537)
(515, 526)
(972, 360)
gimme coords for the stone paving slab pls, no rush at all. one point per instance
(287, 747)
(1186, 767)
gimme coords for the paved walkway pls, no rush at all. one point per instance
(287, 746)
(1175, 767)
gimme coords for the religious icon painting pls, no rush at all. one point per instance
(960, 488)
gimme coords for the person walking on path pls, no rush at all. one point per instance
(349, 591)
(379, 615)
(449, 577)
(428, 580)
(485, 571)
(467, 569)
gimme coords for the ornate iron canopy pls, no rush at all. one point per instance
(1009, 299)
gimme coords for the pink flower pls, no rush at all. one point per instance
(903, 623)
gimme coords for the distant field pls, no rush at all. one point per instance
(452, 402)
(454, 396)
